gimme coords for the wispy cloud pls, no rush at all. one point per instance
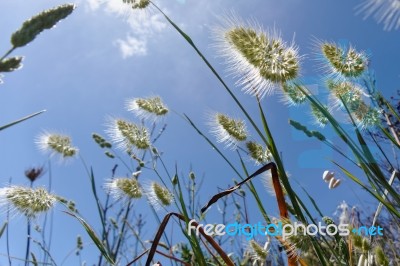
(132, 46)
(142, 26)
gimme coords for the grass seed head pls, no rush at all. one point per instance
(127, 135)
(137, 4)
(260, 59)
(152, 108)
(57, 144)
(343, 62)
(228, 130)
(259, 154)
(159, 196)
(27, 201)
(124, 188)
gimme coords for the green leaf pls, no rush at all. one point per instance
(94, 237)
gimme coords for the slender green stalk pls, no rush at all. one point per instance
(100, 208)
(279, 163)
(8, 231)
(114, 253)
(371, 162)
(192, 238)
(380, 205)
(28, 237)
(294, 199)
(7, 53)
(28, 243)
(235, 99)
(363, 154)
(387, 204)
(250, 185)
(21, 120)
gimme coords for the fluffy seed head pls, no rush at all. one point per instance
(127, 135)
(228, 130)
(297, 243)
(357, 241)
(381, 258)
(347, 93)
(367, 117)
(260, 58)
(343, 62)
(259, 154)
(54, 143)
(42, 21)
(352, 96)
(159, 196)
(292, 95)
(319, 118)
(152, 107)
(27, 201)
(11, 64)
(137, 4)
(258, 253)
(386, 12)
(124, 188)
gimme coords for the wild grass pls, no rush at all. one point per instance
(262, 62)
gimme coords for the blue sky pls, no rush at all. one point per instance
(85, 68)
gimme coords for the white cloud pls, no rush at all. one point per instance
(93, 4)
(132, 46)
(145, 24)
(111, 6)
(142, 25)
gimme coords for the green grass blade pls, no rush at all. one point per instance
(3, 228)
(371, 162)
(21, 120)
(192, 238)
(362, 154)
(313, 202)
(336, 126)
(375, 195)
(390, 107)
(294, 199)
(212, 145)
(99, 207)
(192, 44)
(94, 237)
(390, 137)
(281, 170)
